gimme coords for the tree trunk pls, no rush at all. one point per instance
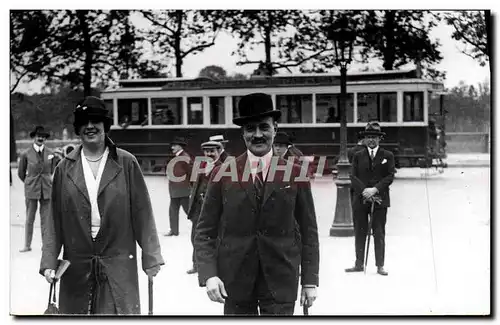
(87, 67)
(389, 55)
(267, 44)
(177, 44)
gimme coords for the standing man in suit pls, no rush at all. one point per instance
(257, 229)
(36, 166)
(212, 150)
(372, 174)
(179, 166)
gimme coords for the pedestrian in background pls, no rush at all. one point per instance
(36, 166)
(212, 150)
(372, 174)
(220, 138)
(100, 211)
(179, 190)
(257, 237)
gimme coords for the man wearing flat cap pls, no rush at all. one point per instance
(179, 182)
(36, 166)
(100, 211)
(257, 235)
(372, 174)
(212, 151)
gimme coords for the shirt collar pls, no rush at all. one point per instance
(38, 148)
(179, 152)
(253, 159)
(375, 150)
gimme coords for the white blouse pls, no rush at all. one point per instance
(92, 184)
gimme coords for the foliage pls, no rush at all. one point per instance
(214, 72)
(473, 30)
(175, 34)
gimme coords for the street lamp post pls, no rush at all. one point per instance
(343, 39)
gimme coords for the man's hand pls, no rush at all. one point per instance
(307, 296)
(215, 290)
(369, 192)
(49, 275)
(153, 271)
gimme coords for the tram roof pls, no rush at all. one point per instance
(306, 79)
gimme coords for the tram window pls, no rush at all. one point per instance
(295, 108)
(166, 111)
(109, 107)
(195, 110)
(328, 108)
(377, 106)
(133, 111)
(217, 110)
(413, 109)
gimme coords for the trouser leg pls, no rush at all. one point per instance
(360, 222)
(378, 226)
(31, 206)
(174, 214)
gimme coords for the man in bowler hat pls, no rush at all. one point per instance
(257, 235)
(372, 174)
(212, 150)
(100, 212)
(36, 166)
(179, 167)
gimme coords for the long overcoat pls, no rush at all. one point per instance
(36, 173)
(236, 234)
(126, 219)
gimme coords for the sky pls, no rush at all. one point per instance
(458, 66)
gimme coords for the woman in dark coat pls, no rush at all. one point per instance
(99, 223)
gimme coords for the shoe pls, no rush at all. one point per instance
(355, 269)
(26, 249)
(193, 270)
(381, 271)
(170, 233)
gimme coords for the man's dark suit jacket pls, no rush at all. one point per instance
(198, 191)
(181, 168)
(379, 174)
(236, 235)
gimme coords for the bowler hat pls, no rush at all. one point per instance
(282, 138)
(372, 128)
(91, 108)
(40, 131)
(255, 106)
(211, 144)
(218, 138)
(180, 141)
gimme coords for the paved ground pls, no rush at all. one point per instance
(443, 218)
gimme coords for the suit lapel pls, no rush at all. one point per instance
(378, 157)
(75, 173)
(275, 183)
(111, 170)
(246, 184)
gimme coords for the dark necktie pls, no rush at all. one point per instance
(372, 154)
(259, 180)
(40, 154)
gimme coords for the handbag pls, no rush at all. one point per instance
(52, 308)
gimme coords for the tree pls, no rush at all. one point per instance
(214, 72)
(29, 44)
(399, 37)
(81, 47)
(176, 34)
(285, 35)
(473, 30)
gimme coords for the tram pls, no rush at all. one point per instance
(148, 113)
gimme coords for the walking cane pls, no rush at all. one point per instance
(370, 222)
(150, 293)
